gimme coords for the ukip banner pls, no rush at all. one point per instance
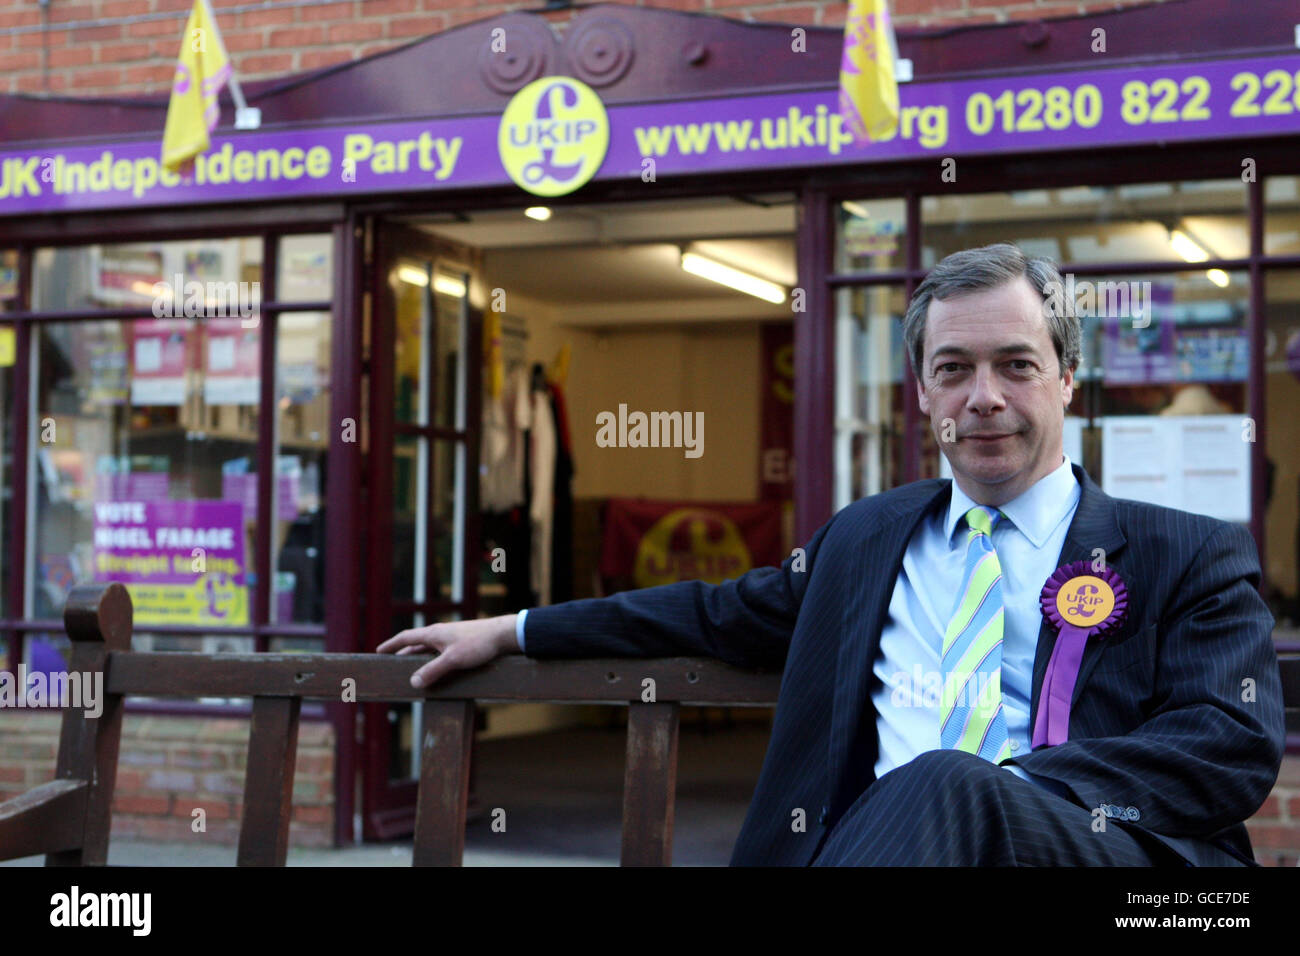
(662, 542)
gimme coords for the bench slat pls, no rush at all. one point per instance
(268, 781)
(650, 783)
(446, 737)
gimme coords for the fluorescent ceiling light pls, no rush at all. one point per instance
(715, 271)
(441, 283)
(855, 209)
(540, 213)
(1186, 246)
(1218, 277)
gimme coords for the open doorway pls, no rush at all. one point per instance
(569, 323)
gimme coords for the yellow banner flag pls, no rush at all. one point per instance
(868, 90)
(202, 69)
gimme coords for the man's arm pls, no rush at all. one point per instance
(747, 621)
(1204, 758)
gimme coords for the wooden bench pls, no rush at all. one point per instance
(68, 819)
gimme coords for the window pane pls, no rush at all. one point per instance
(6, 464)
(868, 391)
(1282, 215)
(303, 358)
(306, 269)
(426, 551)
(1189, 221)
(191, 274)
(144, 466)
(870, 235)
(8, 280)
(1282, 451)
(1165, 387)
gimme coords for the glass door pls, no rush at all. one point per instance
(421, 502)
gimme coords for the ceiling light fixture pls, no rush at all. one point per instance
(540, 213)
(1194, 251)
(714, 271)
(441, 283)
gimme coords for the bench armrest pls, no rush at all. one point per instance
(46, 819)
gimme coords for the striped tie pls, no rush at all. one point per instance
(970, 711)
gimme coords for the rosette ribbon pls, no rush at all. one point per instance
(1079, 603)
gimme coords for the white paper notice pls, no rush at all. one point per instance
(1198, 463)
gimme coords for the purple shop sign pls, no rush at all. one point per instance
(157, 542)
(1077, 109)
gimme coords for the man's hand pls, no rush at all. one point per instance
(460, 645)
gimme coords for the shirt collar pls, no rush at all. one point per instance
(1035, 512)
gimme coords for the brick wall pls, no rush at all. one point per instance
(99, 47)
(168, 766)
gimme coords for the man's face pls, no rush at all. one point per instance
(990, 379)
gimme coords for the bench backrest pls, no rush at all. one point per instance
(74, 810)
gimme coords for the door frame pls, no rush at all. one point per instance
(388, 805)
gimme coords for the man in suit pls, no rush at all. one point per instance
(906, 600)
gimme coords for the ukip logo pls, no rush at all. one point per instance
(553, 136)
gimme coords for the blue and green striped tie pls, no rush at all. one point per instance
(970, 710)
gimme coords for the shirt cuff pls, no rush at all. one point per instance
(519, 629)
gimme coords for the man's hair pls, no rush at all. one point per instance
(973, 270)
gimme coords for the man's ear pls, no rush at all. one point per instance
(1067, 387)
(922, 399)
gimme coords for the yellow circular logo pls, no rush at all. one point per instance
(691, 544)
(553, 136)
(1085, 601)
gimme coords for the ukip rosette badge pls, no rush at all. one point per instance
(1079, 602)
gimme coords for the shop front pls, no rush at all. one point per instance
(278, 396)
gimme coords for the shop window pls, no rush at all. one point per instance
(306, 269)
(868, 391)
(143, 467)
(427, 549)
(1143, 222)
(1282, 449)
(176, 279)
(1161, 394)
(428, 354)
(870, 235)
(303, 406)
(1282, 215)
(6, 464)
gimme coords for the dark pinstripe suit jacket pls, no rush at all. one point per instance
(1158, 721)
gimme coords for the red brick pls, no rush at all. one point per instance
(165, 6)
(149, 77)
(421, 24)
(335, 11)
(298, 36)
(317, 59)
(313, 814)
(212, 809)
(66, 13)
(355, 32)
(11, 774)
(1275, 837)
(19, 61)
(112, 9)
(266, 63)
(275, 17)
(1045, 12)
(804, 14)
(1292, 808)
(20, 18)
(68, 56)
(386, 8)
(134, 803)
(371, 49)
(1270, 811)
(97, 34)
(244, 41)
(121, 52)
(158, 28)
(39, 83)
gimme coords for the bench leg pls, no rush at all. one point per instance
(650, 784)
(446, 737)
(268, 782)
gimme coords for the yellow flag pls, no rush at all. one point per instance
(202, 70)
(868, 90)
(492, 355)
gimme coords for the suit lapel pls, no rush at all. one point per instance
(873, 568)
(1094, 526)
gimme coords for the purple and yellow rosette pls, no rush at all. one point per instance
(1080, 603)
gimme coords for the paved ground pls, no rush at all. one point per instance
(562, 797)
